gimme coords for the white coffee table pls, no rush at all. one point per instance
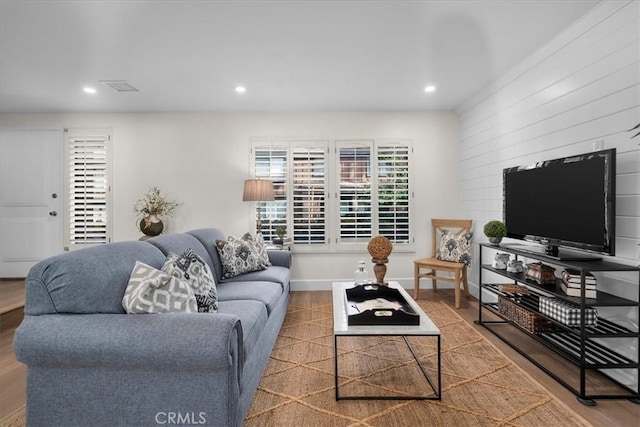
(341, 328)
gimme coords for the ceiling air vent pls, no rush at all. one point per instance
(120, 85)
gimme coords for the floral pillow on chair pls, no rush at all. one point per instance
(455, 247)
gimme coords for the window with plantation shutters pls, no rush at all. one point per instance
(354, 192)
(336, 195)
(271, 163)
(393, 191)
(88, 188)
(309, 187)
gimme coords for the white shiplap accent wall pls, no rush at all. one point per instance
(580, 89)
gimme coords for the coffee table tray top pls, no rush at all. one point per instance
(341, 324)
(373, 304)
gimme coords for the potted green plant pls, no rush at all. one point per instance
(281, 230)
(152, 205)
(495, 230)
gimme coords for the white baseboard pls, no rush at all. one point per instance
(407, 283)
(325, 285)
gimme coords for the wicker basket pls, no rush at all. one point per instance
(524, 318)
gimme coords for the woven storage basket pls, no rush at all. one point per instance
(523, 317)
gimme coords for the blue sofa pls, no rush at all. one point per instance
(91, 364)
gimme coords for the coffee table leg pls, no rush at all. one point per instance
(424, 372)
(438, 391)
(335, 363)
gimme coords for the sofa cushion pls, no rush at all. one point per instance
(154, 291)
(253, 318)
(91, 280)
(268, 293)
(180, 242)
(194, 270)
(270, 274)
(238, 256)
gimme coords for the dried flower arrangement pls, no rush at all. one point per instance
(155, 203)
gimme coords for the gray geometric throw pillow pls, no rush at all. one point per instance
(194, 270)
(153, 291)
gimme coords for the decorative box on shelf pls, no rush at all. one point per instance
(516, 311)
(541, 273)
(566, 312)
(374, 304)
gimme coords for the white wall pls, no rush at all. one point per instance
(581, 88)
(202, 159)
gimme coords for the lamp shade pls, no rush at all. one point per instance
(257, 190)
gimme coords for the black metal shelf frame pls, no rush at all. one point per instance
(573, 343)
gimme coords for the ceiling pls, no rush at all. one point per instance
(290, 55)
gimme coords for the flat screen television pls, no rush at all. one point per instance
(567, 202)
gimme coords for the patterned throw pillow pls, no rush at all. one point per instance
(195, 271)
(238, 256)
(153, 291)
(260, 247)
(455, 247)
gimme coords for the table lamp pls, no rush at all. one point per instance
(258, 190)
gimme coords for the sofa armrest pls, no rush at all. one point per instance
(130, 341)
(280, 257)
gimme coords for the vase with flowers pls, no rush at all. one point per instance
(150, 207)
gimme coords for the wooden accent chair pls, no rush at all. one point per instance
(433, 264)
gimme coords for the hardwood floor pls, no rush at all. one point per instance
(607, 412)
(13, 374)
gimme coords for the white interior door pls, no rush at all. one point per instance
(31, 199)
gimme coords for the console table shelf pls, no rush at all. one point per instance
(576, 344)
(603, 328)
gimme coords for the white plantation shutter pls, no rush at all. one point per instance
(366, 193)
(393, 192)
(309, 195)
(354, 192)
(271, 163)
(88, 189)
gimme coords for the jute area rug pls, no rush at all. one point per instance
(480, 385)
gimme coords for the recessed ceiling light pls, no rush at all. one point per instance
(241, 89)
(89, 90)
(430, 88)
